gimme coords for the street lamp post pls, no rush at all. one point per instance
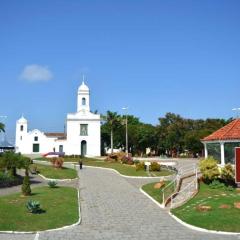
(126, 109)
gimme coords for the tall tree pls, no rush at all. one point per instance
(112, 122)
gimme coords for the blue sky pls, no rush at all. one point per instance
(153, 56)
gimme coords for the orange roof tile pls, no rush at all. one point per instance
(55, 134)
(229, 132)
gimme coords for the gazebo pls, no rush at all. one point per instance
(221, 144)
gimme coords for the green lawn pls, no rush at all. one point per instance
(56, 173)
(60, 205)
(124, 169)
(154, 193)
(216, 219)
(128, 170)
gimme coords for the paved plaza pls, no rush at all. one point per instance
(112, 207)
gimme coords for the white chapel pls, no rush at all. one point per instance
(81, 136)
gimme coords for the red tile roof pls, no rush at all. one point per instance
(229, 132)
(58, 135)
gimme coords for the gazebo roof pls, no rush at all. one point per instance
(229, 132)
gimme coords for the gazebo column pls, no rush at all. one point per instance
(222, 154)
(205, 150)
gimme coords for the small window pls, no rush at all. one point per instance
(83, 101)
(83, 129)
(21, 128)
(35, 138)
(60, 148)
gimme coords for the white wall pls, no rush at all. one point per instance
(72, 145)
(46, 144)
(74, 139)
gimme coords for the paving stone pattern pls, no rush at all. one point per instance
(114, 208)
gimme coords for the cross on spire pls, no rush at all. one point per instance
(83, 79)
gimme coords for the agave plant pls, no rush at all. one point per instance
(52, 184)
(33, 206)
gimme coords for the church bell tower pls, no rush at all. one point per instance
(83, 98)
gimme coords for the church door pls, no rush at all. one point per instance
(83, 148)
(35, 147)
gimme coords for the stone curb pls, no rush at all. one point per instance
(147, 195)
(72, 163)
(49, 164)
(201, 229)
(50, 230)
(53, 179)
(125, 176)
(57, 180)
(186, 224)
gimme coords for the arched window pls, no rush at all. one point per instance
(83, 101)
(21, 128)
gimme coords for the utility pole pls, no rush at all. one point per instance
(126, 109)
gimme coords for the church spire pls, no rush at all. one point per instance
(83, 97)
(83, 79)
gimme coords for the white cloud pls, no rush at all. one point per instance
(36, 73)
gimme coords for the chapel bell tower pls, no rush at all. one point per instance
(83, 98)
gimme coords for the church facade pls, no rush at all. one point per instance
(81, 136)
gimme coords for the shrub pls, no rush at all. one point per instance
(227, 174)
(229, 188)
(7, 180)
(209, 169)
(26, 189)
(216, 184)
(155, 166)
(57, 162)
(52, 184)
(136, 161)
(4, 177)
(116, 157)
(127, 160)
(33, 206)
(140, 166)
(33, 169)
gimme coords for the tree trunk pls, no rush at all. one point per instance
(26, 172)
(111, 141)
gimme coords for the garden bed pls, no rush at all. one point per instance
(124, 169)
(59, 205)
(212, 209)
(49, 171)
(7, 181)
(154, 192)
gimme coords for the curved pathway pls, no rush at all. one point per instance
(113, 208)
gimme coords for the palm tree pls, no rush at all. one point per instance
(2, 127)
(113, 120)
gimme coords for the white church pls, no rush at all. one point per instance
(81, 136)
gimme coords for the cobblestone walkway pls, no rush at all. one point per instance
(113, 208)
